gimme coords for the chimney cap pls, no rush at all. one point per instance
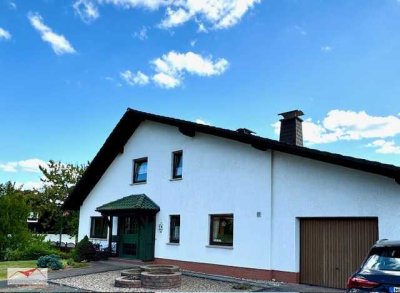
(292, 114)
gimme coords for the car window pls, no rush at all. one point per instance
(383, 259)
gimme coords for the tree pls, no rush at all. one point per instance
(58, 181)
(14, 212)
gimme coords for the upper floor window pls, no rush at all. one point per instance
(98, 227)
(177, 165)
(140, 170)
(174, 228)
(221, 230)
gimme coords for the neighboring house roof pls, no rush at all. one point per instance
(132, 119)
(131, 202)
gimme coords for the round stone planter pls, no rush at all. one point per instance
(133, 274)
(155, 280)
(160, 269)
(126, 282)
(150, 277)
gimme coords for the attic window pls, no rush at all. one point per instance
(140, 170)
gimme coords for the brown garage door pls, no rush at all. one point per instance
(333, 248)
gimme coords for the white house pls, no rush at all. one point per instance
(232, 203)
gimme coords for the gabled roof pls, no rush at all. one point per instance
(128, 203)
(132, 119)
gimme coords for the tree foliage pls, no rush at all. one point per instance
(14, 212)
(58, 181)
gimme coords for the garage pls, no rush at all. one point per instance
(331, 249)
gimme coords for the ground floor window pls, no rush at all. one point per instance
(221, 229)
(174, 228)
(98, 227)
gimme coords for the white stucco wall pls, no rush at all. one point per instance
(309, 188)
(219, 176)
(223, 176)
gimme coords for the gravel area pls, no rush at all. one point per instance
(104, 282)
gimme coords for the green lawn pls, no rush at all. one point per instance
(15, 264)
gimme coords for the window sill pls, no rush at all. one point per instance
(138, 183)
(172, 243)
(175, 179)
(219, 246)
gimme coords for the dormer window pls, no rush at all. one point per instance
(177, 165)
(140, 170)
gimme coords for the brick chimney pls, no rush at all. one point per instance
(291, 128)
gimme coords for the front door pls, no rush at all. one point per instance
(129, 236)
(137, 236)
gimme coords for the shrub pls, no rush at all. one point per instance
(51, 261)
(70, 262)
(84, 250)
(33, 248)
(64, 254)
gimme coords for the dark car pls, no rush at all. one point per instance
(380, 271)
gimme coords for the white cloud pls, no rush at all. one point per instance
(202, 121)
(142, 34)
(29, 185)
(167, 81)
(29, 165)
(127, 4)
(219, 14)
(134, 79)
(171, 67)
(4, 35)
(59, 43)
(193, 43)
(215, 14)
(201, 28)
(175, 17)
(175, 63)
(385, 147)
(326, 49)
(86, 10)
(348, 125)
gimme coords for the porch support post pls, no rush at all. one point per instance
(110, 223)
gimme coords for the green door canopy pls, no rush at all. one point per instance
(135, 202)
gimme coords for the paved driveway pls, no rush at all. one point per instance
(114, 265)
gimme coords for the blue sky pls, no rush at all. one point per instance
(69, 70)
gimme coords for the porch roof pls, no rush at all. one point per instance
(131, 202)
